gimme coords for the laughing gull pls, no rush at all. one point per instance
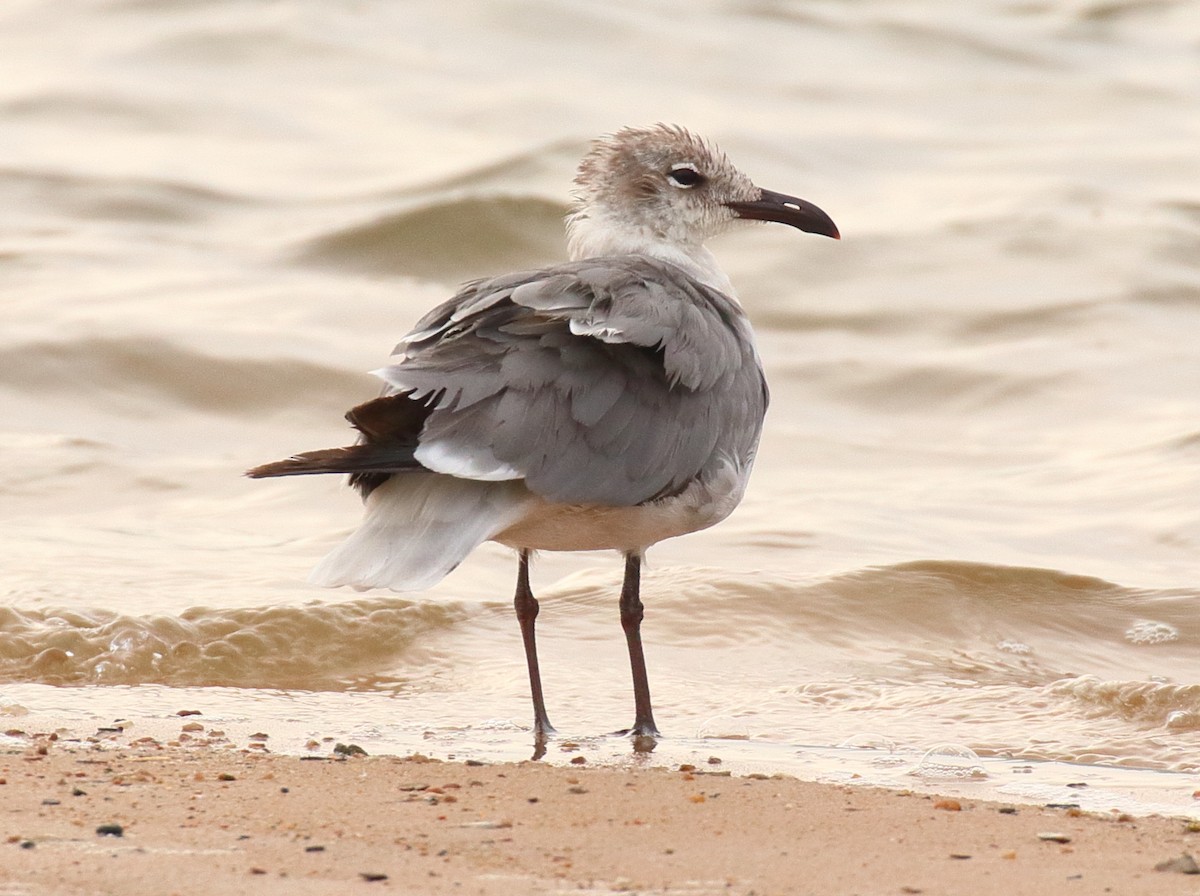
(605, 403)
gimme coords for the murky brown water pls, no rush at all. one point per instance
(975, 514)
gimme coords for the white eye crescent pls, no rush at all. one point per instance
(685, 175)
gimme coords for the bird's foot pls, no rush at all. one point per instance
(645, 737)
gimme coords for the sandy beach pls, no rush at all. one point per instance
(200, 815)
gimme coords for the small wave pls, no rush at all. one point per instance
(510, 174)
(1188, 443)
(1024, 322)
(951, 388)
(1157, 703)
(35, 461)
(930, 596)
(97, 108)
(447, 240)
(126, 373)
(941, 622)
(861, 322)
(78, 196)
(1116, 10)
(1186, 209)
(937, 40)
(316, 647)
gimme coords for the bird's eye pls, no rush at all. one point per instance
(685, 176)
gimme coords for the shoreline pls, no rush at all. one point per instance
(200, 816)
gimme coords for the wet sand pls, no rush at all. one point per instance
(200, 815)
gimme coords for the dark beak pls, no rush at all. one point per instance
(786, 210)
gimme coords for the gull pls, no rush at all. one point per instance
(605, 403)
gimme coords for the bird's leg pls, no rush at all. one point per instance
(631, 620)
(526, 606)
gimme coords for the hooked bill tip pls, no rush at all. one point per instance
(790, 210)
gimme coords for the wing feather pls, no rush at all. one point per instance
(611, 381)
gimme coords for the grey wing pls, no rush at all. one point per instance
(610, 381)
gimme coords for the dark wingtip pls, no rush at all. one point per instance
(288, 467)
(363, 458)
(326, 460)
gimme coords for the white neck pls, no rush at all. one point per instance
(590, 235)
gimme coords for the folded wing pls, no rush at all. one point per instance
(609, 381)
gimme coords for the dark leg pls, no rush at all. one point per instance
(631, 620)
(527, 610)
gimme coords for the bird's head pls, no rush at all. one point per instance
(662, 185)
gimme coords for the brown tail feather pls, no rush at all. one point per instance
(353, 459)
(389, 426)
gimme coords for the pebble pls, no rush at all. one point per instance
(110, 830)
(1185, 864)
(1051, 837)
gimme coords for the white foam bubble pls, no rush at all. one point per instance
(1183, 719)
(1015, 647)
(1147, 631)
(949, 762)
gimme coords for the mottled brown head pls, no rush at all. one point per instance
(664, 184)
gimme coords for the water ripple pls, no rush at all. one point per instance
(316, 647)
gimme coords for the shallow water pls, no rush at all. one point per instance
(974, 518)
